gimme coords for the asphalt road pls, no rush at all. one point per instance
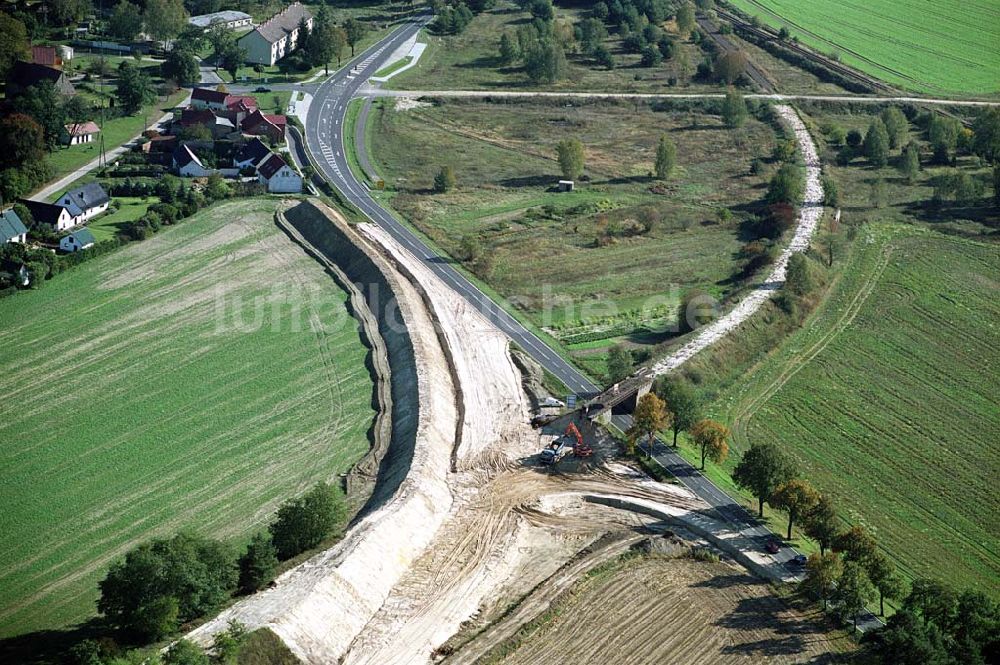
(325, 142)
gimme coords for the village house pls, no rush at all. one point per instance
(270, 126)
(12, 229)
(187, 164)
(207, 98)
(232, 20)
(54, 216)
(80, 132)
(217, 125)
(278, 176)
(74, 242)
(251, 154)
(84, 202)
(23, 75)
(277, 37)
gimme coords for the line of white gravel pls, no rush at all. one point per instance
(810, 213)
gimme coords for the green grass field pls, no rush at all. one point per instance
(944, 48)
(887, 398)
(132, 208)
(178, 383)
(504, 159)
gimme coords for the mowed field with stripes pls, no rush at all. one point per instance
(949, 47)
(192, 381)
(887, 397)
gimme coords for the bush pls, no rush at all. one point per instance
(304, 522)
(787, 185)
(444, 181)
(258, 563)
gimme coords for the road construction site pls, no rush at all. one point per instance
(467, 536)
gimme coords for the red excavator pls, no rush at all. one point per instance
(581, 449)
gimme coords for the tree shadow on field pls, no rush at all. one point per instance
(528, 181)
(46, 647)
(726, 581)
(479, 63)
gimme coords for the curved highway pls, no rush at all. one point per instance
(325, 143)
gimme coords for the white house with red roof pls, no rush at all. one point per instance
(260, 124)
(207, 98)
(80, 132)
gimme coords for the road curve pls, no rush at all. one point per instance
(324, 138)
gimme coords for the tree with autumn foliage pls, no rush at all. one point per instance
(650, 416)
(711, 438)
(797, 498)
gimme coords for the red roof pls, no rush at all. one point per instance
(82, 129)
(257, 122)
(250, 103)
(271, 165)
(209, 96)
(45, 55)
(278, 121)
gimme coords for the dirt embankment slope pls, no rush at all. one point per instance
(318, 607)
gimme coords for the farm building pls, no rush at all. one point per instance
(206, 98)
(85, 202)
(23, 75)
(46, 55)
(278, 175)
(12, 229)
(277, 37)
(230, 19)
(54, 216)
(217, 125)
(77, 240)
(80, 132)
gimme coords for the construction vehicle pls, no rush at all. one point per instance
(570, 440)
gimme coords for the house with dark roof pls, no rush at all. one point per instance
(251, 154)
(207, 98)
(12, 229)
(271, 126)
(187, 164)
(84, 202)
(54, 216)
(275, 173)
(79, 239)
(277, 37)
(23, 75)
(80, 132)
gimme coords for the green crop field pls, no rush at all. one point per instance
(943, 47)
(541, 245)
(887, 397)
(191, 381)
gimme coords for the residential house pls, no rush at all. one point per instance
(217, 125)
(251, 154)
(46, 55)
(54, 216)
(207, 98)
(270, 126)
(232, 20)
(187, 164)
(85, 202)
(12, 229)
(23, 75)
(80, 132)
(77, 240)
(278, 176)
(277, 37)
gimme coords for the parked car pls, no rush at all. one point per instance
(798, 560)
(772, 546)
(262, 89)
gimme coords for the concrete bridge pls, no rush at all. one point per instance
(622, 397)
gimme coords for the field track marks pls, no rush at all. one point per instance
(740, 418)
